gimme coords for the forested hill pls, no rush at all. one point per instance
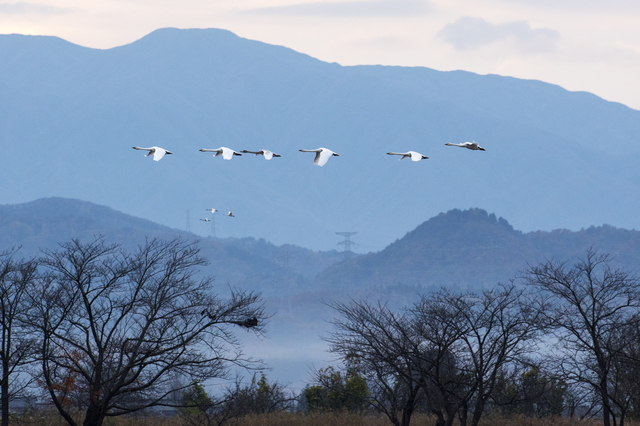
(466, 249)
(243, 262)
(459, 249)
(473, 249)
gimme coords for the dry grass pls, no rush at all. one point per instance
(345, 419)
(325, 419)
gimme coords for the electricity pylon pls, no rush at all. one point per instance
(347, 243)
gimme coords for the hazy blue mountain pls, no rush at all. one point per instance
(247, 263)
(282, 274)
(69, 116)
(471, 250)
(467, 250)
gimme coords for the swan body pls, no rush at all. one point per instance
(268, 155)
(156, 151)
(415, 156)
(322, 155)
(469, 145)
(230, 214)
(206, 220)
(227, 153)
(212, 210)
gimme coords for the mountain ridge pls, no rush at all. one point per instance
(471, 249)
(294, 281)
(555, 159)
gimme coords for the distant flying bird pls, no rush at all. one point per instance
(156, 151)
(206, 220)
(230, 214)
(415, 156)
(469, 145)
(212, 210)
(268, 155)
(322, 155)
(227, 153)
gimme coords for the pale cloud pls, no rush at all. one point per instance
(21, 7)
(469, 33)
(578, 6)
(381, 42)
(349, 9)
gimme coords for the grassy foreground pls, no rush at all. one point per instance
(325, 419)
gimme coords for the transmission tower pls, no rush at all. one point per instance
(212, 233)
(347, 243)
(188, 222)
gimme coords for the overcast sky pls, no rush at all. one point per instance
(591, 45)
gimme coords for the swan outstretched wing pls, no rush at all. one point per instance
(158, 153)
(227, 153)
(322, 156)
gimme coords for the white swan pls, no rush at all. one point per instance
(230, 214)
(156, 151)
(469, 145)
(227, 153)
(268, 155)
(206, 220)
(415, 156)
(322, 155)
(212, 210)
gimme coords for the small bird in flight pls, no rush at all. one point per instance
(156, 151)
(415, 156)
(230, 214)
(469, 145)
(227, 153)
(268, 155)
(322, 155)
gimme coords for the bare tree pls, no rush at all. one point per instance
(115, 327)
(379, 340)
(466, 340)
(449, 347)
(591, 303)
(16, 346)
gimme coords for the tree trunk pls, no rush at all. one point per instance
(95, 416)
(606, 411)
(406, 414)
(4, 392)
(440, 420)
(451, 414)
(409, 406)
(464, 410)
(477, 411)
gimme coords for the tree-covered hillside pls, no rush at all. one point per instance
(472, 249)
(247, 262)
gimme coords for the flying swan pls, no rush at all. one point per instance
(322, 155)
(469, 145)
(156, 151)
(227, 153)
(230, 214)
(415, 156)
(212, 210)
(268, 155)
